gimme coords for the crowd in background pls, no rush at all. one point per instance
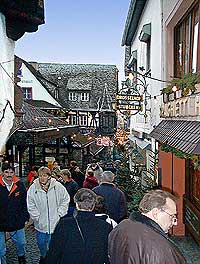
(81, 217)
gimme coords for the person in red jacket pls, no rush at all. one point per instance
(32, 175)
(90, 181)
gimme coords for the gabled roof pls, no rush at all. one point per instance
(47, 84)
(180, 134)
(135, 10)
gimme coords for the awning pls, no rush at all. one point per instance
(94, 149)
(180, 134)
(139, 142)
(145, 33)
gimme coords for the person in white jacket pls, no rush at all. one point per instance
(47, 202)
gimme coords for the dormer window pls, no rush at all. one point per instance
(85, 97)
(72, 96)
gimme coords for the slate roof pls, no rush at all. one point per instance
(42, 104)
(36, 119)
(79, 77)
(180, 134)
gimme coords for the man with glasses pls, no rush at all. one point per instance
(13, 213)
(143, 237)
(47, 201)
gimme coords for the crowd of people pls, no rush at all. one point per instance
(82, 218)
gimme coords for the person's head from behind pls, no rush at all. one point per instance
(94, 163)
(100, 205)
(44, 174)
(85, 199)
(65, 174)
(8, 173)
(90, 173)
(160, 206)
(107, 176)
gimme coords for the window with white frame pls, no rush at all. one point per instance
(73, 120)
(85, 96)
(83, 120)
(27, 92)
(72, 96)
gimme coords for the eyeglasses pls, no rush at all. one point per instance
(173, 217)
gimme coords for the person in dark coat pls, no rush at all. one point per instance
(90, 181)
(71, 187)
(143, 237)
(13, 212)
(77, 175)
(82, 239)
(114, 197)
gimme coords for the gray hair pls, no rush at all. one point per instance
(66, 172)
(85, 199)
(107, 176)
(155, 199)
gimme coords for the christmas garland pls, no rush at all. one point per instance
(182, 155)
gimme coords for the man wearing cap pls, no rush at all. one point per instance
(47, 201)
(13, 212)
(81, 239)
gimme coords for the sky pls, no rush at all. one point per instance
(78, 31)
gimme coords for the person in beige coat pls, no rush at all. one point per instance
(47, 201)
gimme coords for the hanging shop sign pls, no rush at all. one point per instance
(129, 98)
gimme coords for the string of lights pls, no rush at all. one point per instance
(174, 89)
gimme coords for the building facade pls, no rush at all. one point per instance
(175, 61)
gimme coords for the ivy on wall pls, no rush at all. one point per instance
(182, 155)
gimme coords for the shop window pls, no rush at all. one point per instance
(27, 93)
(186, 43)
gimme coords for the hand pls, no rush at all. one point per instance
(77, 169)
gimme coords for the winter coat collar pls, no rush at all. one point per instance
(108, 184)
(15, 180)
(138, 217)
(38, 186)
(85, 214)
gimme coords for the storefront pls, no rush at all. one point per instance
(179, 149)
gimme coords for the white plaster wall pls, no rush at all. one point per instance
(38, 91)
(151, 14)
(6, 84)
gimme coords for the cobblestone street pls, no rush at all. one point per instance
(32, 250)
(187, 245)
